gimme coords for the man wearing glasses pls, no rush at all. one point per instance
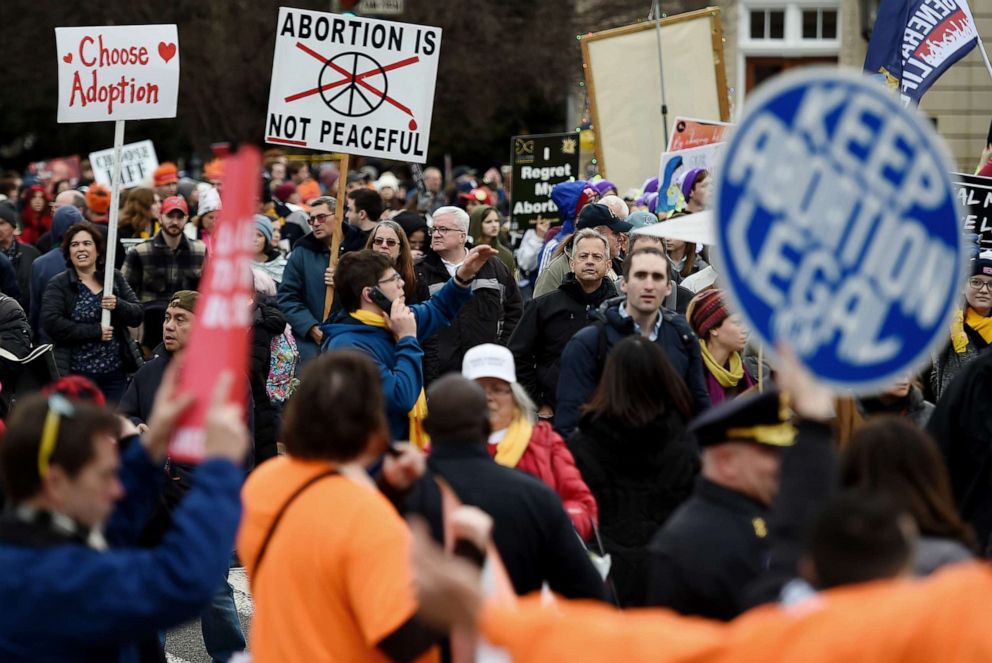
(496, 306)
(168, 262)
(307, 275)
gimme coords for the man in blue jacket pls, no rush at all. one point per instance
(393, 338)
(66, 595)
(49, 265)
(646, 284)
(307, 275)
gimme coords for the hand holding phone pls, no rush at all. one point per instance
(401, 321)
(380, 299)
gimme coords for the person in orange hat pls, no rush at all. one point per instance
(213, 172)
(308, 190)
(166, 180)
(97, 203)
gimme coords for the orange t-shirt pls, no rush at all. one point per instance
(943, 619)
(336, 578)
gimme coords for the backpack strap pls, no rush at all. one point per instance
(282, 510)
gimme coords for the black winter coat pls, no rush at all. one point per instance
(58, 302)
(531, 530)
(26, 255)
(548, 324)
(962, 425)
(585, 355)
(639, 476)
(490, 316)
(711, 549)
(269, 322)
(137, 402)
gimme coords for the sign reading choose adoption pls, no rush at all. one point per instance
(123, 72)
(838, 227)
(354, 85)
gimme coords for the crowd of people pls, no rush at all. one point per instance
(436, 397)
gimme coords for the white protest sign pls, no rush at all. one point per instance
(138, 162)
(354, 85)
(122, 72)
(838, 228)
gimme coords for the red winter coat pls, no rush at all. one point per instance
(548, 459)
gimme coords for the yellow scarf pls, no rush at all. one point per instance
(981, 324)
(511, 448)
(418, 436)
(726, 378)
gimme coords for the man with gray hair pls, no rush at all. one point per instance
(491, 315)
(553, 318)
(308, 275)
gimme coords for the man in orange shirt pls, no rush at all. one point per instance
(326, 553)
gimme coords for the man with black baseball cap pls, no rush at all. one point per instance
(715, 543)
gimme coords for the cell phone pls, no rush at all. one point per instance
(380, 299)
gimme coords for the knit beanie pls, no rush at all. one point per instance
(706, 312)
(982, 265)
(166, 173)
(284, 191)
(689, 181)
(264, 225)
(98, 199)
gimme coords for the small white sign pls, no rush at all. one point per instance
(138, 162)
(355, 85)
(380, 7)
(123, 72)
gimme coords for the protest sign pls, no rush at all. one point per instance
(623, 72)
(355, 85)
(675, 164)
(538, 163)
(219, 340)
(838, 227)
(121, 72)
(975, 195)
(55, 170)
(688, 132)
(138, 162)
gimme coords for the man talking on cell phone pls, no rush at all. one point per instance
(366, 284)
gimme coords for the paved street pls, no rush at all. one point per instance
(185, 644)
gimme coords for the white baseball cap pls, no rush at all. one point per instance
(489, 361)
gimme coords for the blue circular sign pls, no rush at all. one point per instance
(837, 227)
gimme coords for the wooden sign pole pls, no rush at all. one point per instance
(338, 233)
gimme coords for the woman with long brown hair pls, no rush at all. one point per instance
(894, 456)
(388, 237)
(140, 216)
(631, 452)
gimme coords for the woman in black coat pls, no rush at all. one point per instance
(71, 310)
(268, 323)
(630, 449)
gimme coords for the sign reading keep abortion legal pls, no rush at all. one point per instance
(838, 227)
(122, 72)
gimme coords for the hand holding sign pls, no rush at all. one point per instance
(837, 227)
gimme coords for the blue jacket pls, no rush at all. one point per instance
(583, 359)
(49, 265)
(399, 361)
(68, 602)
(302, 291)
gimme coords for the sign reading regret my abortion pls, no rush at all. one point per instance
(838, 227)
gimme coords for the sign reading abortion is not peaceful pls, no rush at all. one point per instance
(354, 85)
(123, 72)
(539, 162)
(838, 227)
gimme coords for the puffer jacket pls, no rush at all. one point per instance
(490, 317)
(548, 459)
(268, 323)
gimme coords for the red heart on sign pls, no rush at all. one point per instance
(67, 58)
(166, 51)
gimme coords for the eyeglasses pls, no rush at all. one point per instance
(319, 218)
(58, 407)
(497, 389)
(442, 231)
(392, 279)
(384, 241)
(979, 285)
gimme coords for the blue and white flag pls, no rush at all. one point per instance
(915, 41)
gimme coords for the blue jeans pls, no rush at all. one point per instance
(113, 385)
(221, 626)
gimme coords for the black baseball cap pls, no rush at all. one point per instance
(594, 215)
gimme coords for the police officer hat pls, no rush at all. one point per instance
(763, 418)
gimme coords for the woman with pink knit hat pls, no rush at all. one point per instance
(722, 337)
